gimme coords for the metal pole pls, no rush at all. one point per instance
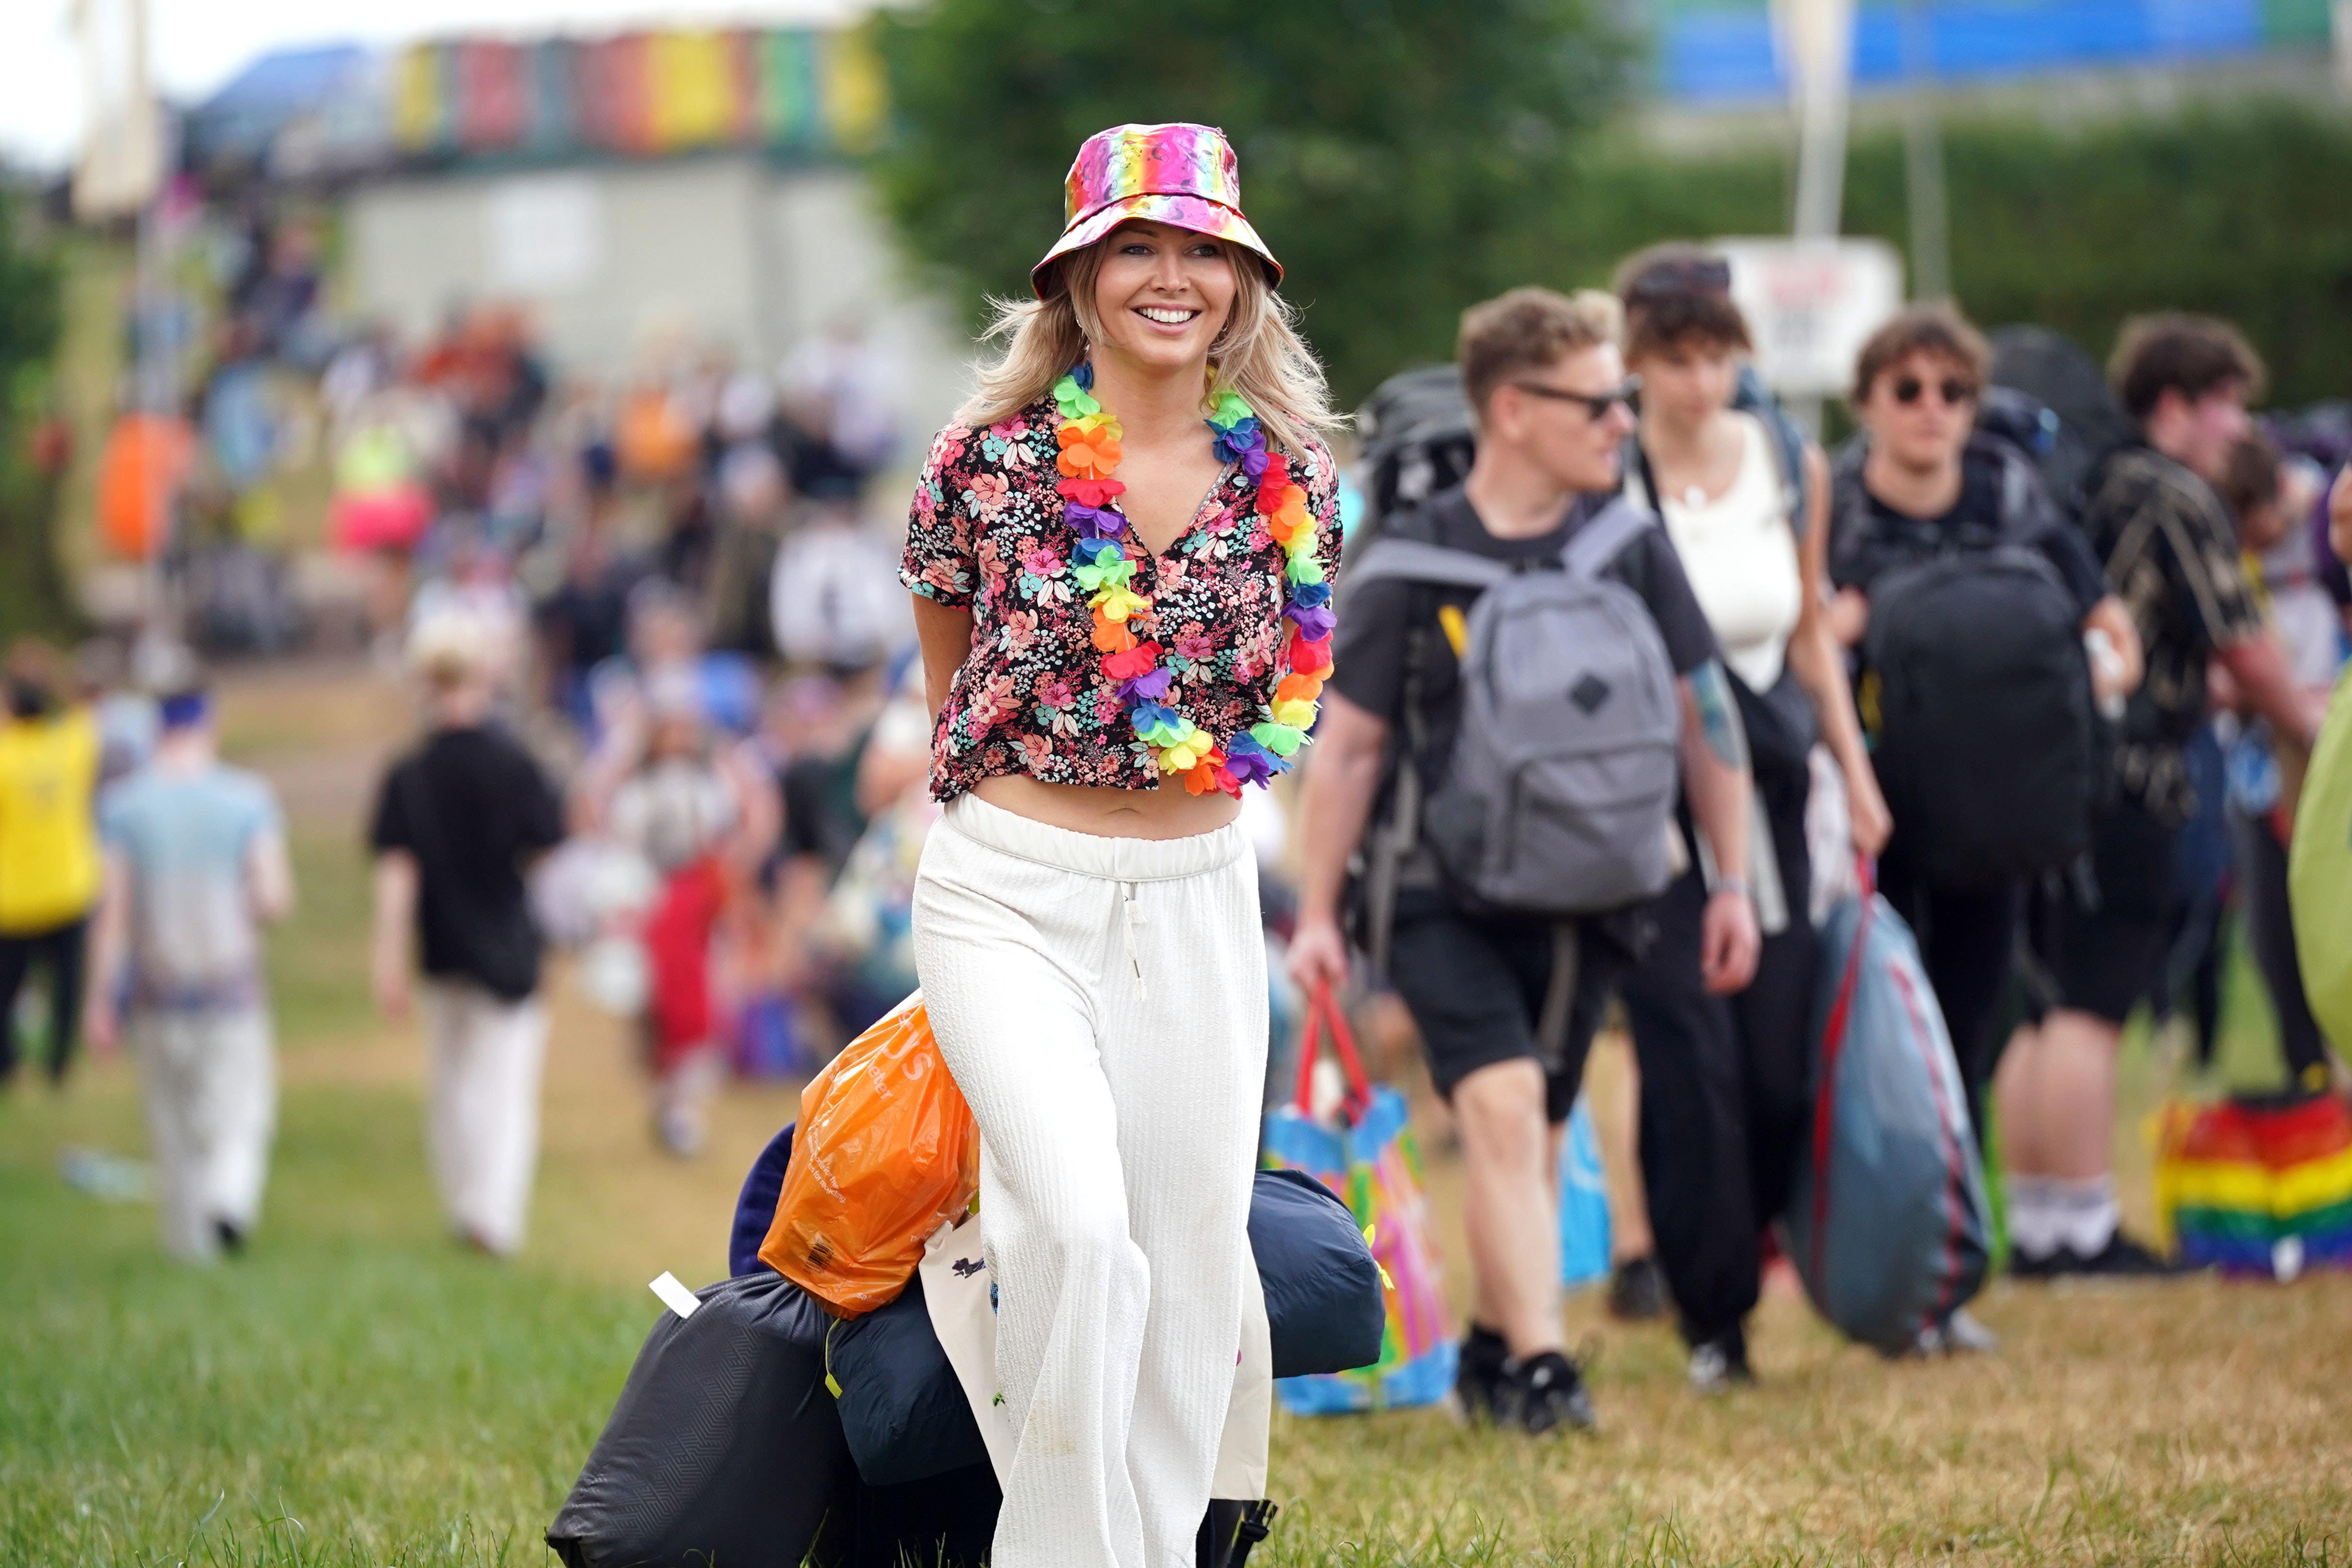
(1923, 161)
(2341, 25)
(1820, 56)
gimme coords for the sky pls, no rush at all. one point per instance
(195, 46)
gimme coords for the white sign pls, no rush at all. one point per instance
(543, 234)
(1810, 305)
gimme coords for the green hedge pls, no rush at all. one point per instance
(2242, 210)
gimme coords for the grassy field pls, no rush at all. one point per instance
(358, 1391)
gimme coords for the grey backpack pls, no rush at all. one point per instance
(1557, 799)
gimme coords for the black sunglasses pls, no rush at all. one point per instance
(1955, 391)
(1596, 405)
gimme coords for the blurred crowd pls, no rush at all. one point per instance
(668, 665)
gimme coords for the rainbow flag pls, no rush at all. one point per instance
(2256, 1188)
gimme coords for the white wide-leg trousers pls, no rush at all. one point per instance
(210, 1081)
(482, 1124)
(1102, 1005)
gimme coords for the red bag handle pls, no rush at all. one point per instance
(1323, 1008)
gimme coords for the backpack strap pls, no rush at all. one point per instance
(1605, 537)
(1785, 437)
(1415, 561)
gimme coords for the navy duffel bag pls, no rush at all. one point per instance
(904, 1412)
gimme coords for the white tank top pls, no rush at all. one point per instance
(1740, 555)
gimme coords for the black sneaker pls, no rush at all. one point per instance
(1720, 1365)
(1544, 1393)
(1479, 1376)
(2042, 1268)
(2121, 1258)
(1638, 1292)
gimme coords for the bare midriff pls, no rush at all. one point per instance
(1168, 812)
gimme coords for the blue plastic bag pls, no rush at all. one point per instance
(1584, 1204)
(1371, 1161)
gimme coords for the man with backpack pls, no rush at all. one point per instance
(2172, 553)
(1523, 679)
(1970, 597)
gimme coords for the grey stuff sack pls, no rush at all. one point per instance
(1888, 1220)
(1557, 798)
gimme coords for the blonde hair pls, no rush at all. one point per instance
(1259, 353)
(450, 647)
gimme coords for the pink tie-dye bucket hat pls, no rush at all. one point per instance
(1185, 175)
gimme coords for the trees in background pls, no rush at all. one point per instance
(1391, 151)
(33, 597)
(2240, 208)
(1406, 158)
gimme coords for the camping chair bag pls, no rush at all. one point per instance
(1887, 1221)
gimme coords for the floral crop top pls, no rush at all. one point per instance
(987, 534)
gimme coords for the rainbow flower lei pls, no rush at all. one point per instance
(1090, 455)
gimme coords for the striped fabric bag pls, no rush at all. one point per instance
(1371, 1160)
(2257, 1188)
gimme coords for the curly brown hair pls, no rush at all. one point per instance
(2192, 355)
(1677, 294)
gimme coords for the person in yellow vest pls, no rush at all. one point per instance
(49, 863)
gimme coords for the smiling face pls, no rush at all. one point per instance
(1162, 294)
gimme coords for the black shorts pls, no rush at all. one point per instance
(2106, 955)
(1475, 987)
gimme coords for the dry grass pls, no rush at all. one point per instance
(409, 1404)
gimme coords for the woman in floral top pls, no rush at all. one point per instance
(1120, 554)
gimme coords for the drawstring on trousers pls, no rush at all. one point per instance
(1130, 908)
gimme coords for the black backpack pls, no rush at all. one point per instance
(1419, 438)
(1975, 690)
(2049, 398)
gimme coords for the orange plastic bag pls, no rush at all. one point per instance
(886, 1154)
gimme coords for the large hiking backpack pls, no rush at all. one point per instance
(1419, 438)
(1977, 691)
(1564, 771)
(2080, 424)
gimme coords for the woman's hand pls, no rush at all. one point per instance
(1868, 820)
